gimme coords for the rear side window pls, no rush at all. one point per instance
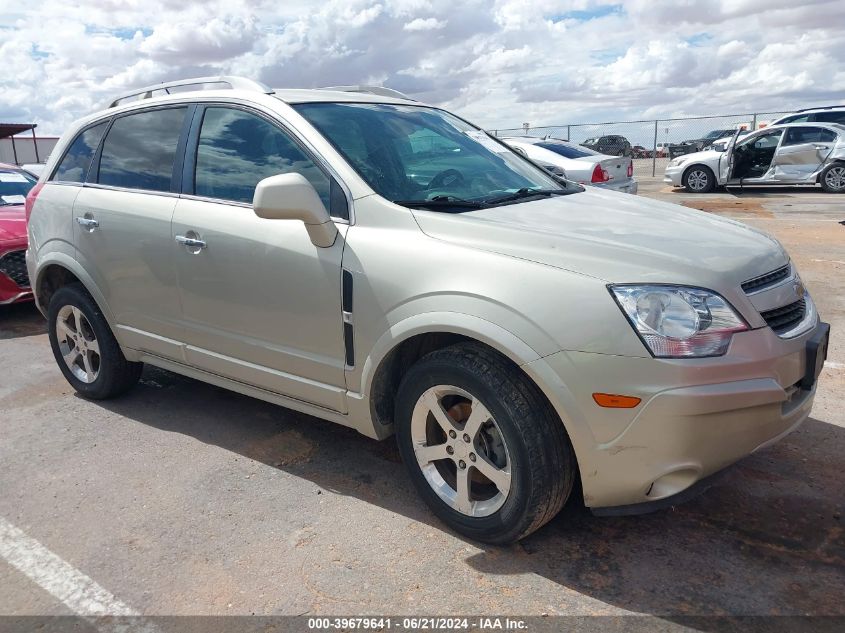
(801, 135)
(139, 150)
(77, 160)
(567, 151)
(237, 149)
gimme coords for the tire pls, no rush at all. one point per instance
(519, 434)
(95, 366)
(832, 178)
(699, 179)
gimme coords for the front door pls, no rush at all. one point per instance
(260, 302)
(753, 157)
(802, 153)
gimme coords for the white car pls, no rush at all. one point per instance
(830, 114)
(580, 164)
(790, 154)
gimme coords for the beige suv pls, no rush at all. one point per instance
(364, 258)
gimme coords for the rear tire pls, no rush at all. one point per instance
(85, 348)
(832, 178)
(517, 438)
(699, 179)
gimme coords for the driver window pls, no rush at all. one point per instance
(767, 141)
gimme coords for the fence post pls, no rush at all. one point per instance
(654, 152)
(754, 122)
(569, 133)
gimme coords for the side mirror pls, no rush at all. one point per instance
(292, 197)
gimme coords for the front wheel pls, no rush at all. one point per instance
(85, 348)
(483, 447)
(832, 178)
(699, 179)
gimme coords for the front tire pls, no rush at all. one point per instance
(832, 178)
(483, 447)
(85, 348)
(699, 179)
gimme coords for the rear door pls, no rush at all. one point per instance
(802, 153)
(122, 226)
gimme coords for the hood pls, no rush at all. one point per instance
(12, 223)
(704, 156)
(616, 237)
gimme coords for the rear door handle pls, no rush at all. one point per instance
(190, 242)
(87, 223)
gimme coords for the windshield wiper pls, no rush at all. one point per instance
(526, 192)
(442, 202)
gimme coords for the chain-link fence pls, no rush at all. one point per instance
(652, 143)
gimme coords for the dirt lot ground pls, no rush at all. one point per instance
(187, 499)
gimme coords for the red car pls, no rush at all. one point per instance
(15, 183)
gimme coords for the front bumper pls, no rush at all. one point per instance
(697, 416)
(674, 175)
(10, 291)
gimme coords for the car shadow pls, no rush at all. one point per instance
(767, 538)
(21, 319)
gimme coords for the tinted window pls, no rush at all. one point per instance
(801, 135)
(830, 117)
(139, 150)
(238, 149)
(74, 166)
(565, 150)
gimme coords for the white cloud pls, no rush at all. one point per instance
(424, 24)
(498, 63)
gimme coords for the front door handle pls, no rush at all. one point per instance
(88, 224)
(821, 147)
(190, 242)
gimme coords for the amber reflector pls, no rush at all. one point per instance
(615, 402)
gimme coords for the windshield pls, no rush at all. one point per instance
(565, 150)
(591, 141)
(416, 153)
(14, 185)
(717, 134)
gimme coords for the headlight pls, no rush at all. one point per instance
(677, 162)
(674, 321)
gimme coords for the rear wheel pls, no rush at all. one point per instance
(85, 348)
(482, 445)
(832, 178)
(699, 179)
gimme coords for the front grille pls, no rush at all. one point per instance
(764, 281)
(13, 265)
(785, 318)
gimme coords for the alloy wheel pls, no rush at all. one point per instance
(461, 450)
(835, 178)
(697, 180)
(78, 344)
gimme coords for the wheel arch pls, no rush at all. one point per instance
(61, 270)
(404, 343)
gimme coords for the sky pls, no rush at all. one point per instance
(498, 63)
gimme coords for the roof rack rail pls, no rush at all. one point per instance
(373, 90)
(821, 108)
(234, 83)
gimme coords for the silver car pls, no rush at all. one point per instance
(367, 259)
(578, 163)
(789, 154)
